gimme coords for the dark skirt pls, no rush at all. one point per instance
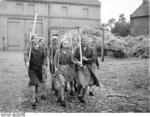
(35, 77)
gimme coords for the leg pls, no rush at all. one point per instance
(75, 86)
(66, 89)
(84, 90)
(43, 91)
(60, 86)
(62, 93)
(91, 91)
(52, 83)
(54, 88)
(82, 85)
(80, 93)
(33, 96)
(71, 86)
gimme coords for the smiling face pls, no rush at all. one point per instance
(75, 42)
(65, 44)
(35, 41)
(84, 42)
(90, 42)
(55, 43)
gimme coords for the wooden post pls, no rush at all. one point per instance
(102, 45)
(80, 47)
(34, 23)
(49, 33)
(31, 37)
(51, 53)
(71, 42)
(3, 43)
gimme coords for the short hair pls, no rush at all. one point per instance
(55, 35)
(33, 36)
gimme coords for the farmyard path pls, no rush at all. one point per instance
(124, 87)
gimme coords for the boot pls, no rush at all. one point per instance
(43, 97)
(56, 92)
(36, 100)
(66, 87)
(63, 103)
(91, 93)
(34, 106)
(80, 98)
(71, 93)
(59, 100)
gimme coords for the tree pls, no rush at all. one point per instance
(111, 22)
(122, 27)
(122, 18)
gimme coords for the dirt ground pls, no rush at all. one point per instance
(124, 87)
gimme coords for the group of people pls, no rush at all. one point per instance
(68, 72)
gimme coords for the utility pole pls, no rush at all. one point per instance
(49, 42)
(103, 31)
(102, 44)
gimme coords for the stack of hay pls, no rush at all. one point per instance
(113, 46)
(138, 46)
(116, 47)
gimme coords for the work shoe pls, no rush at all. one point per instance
(75, 89)
(59, 100)
(63, 103)
(34, 106)
(80, 98)
(91, 93)
(66, 89)
(56, 93)
(71, 93)
(43, 97)
(36, 100)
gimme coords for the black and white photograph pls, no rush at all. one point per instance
(74, 56)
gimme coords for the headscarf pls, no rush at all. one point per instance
(64, 40)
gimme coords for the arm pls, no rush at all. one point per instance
(56, 59)
(93, 57)
(76, 57)
(89, 57)
(26, 54)
(76, 54)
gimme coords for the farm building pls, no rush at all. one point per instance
(140, 20)
(16, 18)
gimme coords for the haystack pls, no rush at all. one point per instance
(138, 46)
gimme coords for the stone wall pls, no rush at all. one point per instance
(49, 14)
(140, 26)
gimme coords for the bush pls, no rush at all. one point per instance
(122, 29)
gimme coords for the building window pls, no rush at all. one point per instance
(85, 12)
(19, 8)
(64, 11)
(31, 9)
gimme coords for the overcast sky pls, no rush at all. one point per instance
(112, 8)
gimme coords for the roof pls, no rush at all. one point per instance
(86, 2)
(142, 10)
(83, 2)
